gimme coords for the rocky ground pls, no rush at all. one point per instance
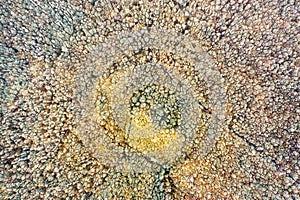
(45, 46)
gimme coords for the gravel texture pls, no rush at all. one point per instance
(46, 54)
